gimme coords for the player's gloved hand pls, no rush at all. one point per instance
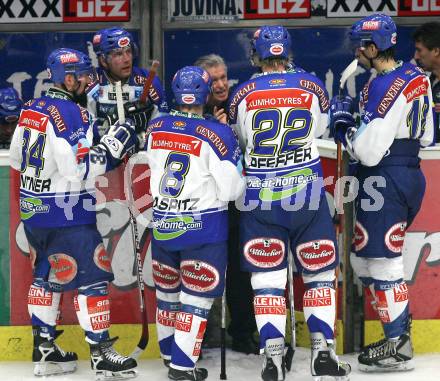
(119, 141)
(341, 117)
(140, 113)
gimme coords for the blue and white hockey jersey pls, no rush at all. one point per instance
(101, 95)
(395, 107)
(51, 149)
(195, 170)
(277, 117)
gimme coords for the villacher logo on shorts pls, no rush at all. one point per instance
(264, 252)
(165, 276)
(199, 276)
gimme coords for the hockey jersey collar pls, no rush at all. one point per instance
(57, 93)
(185, 114)
(385, 72)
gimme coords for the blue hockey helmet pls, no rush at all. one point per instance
(65, 61)
(10, 105)
(272, 41)
(109, 39)
(378, 28)
(191, 86)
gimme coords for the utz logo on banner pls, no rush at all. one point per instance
(43, 11)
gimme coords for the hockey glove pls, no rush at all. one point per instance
(140, 113)
(120, 140)
(341, 117)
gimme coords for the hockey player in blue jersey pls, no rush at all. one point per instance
(116, 51)
(10, 107)
(396, 120)
(195, 170)
(277, 115)
(51, 148)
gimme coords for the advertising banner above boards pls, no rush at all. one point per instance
(360, 8)
(235, 10)
(63, 11)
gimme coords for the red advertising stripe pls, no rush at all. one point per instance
(96, 10)
(292, 98)
(419, 8)
(268, 9)
(176, 142)
(33, 120)
(417, 87)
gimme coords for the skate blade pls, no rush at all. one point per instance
(395, 367)
(102, 375)
(47, 368)
(332, 378)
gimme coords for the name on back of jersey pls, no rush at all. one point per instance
(175, 205)
(298, 156)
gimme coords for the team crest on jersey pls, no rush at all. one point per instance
(315, 255)
(360, 238)
(277, 82)
(276, 49)
(165, 276)
(123, 42)
(179, 123)
(199, 276)
(41, 103)
(188, 99)
(395, 236)
(264, 252)
(63, 268)
(102, 259)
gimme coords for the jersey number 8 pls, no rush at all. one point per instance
(176, 168)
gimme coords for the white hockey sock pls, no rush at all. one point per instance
(168, 306)
(319, 305)
(189, 331)
(92, 306)
(392, 307)
(43, 306)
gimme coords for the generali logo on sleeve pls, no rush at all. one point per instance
(64, 11)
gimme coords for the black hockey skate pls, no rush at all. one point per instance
(388, 355)
(325, 362)
(48, 358)
(109, 364)
(196, 374)
(274, 367)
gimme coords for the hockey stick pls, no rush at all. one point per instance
(223, 337)
(291, 348)
(143, 341)
(149, 81)
(348, 71)
(145, 335)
